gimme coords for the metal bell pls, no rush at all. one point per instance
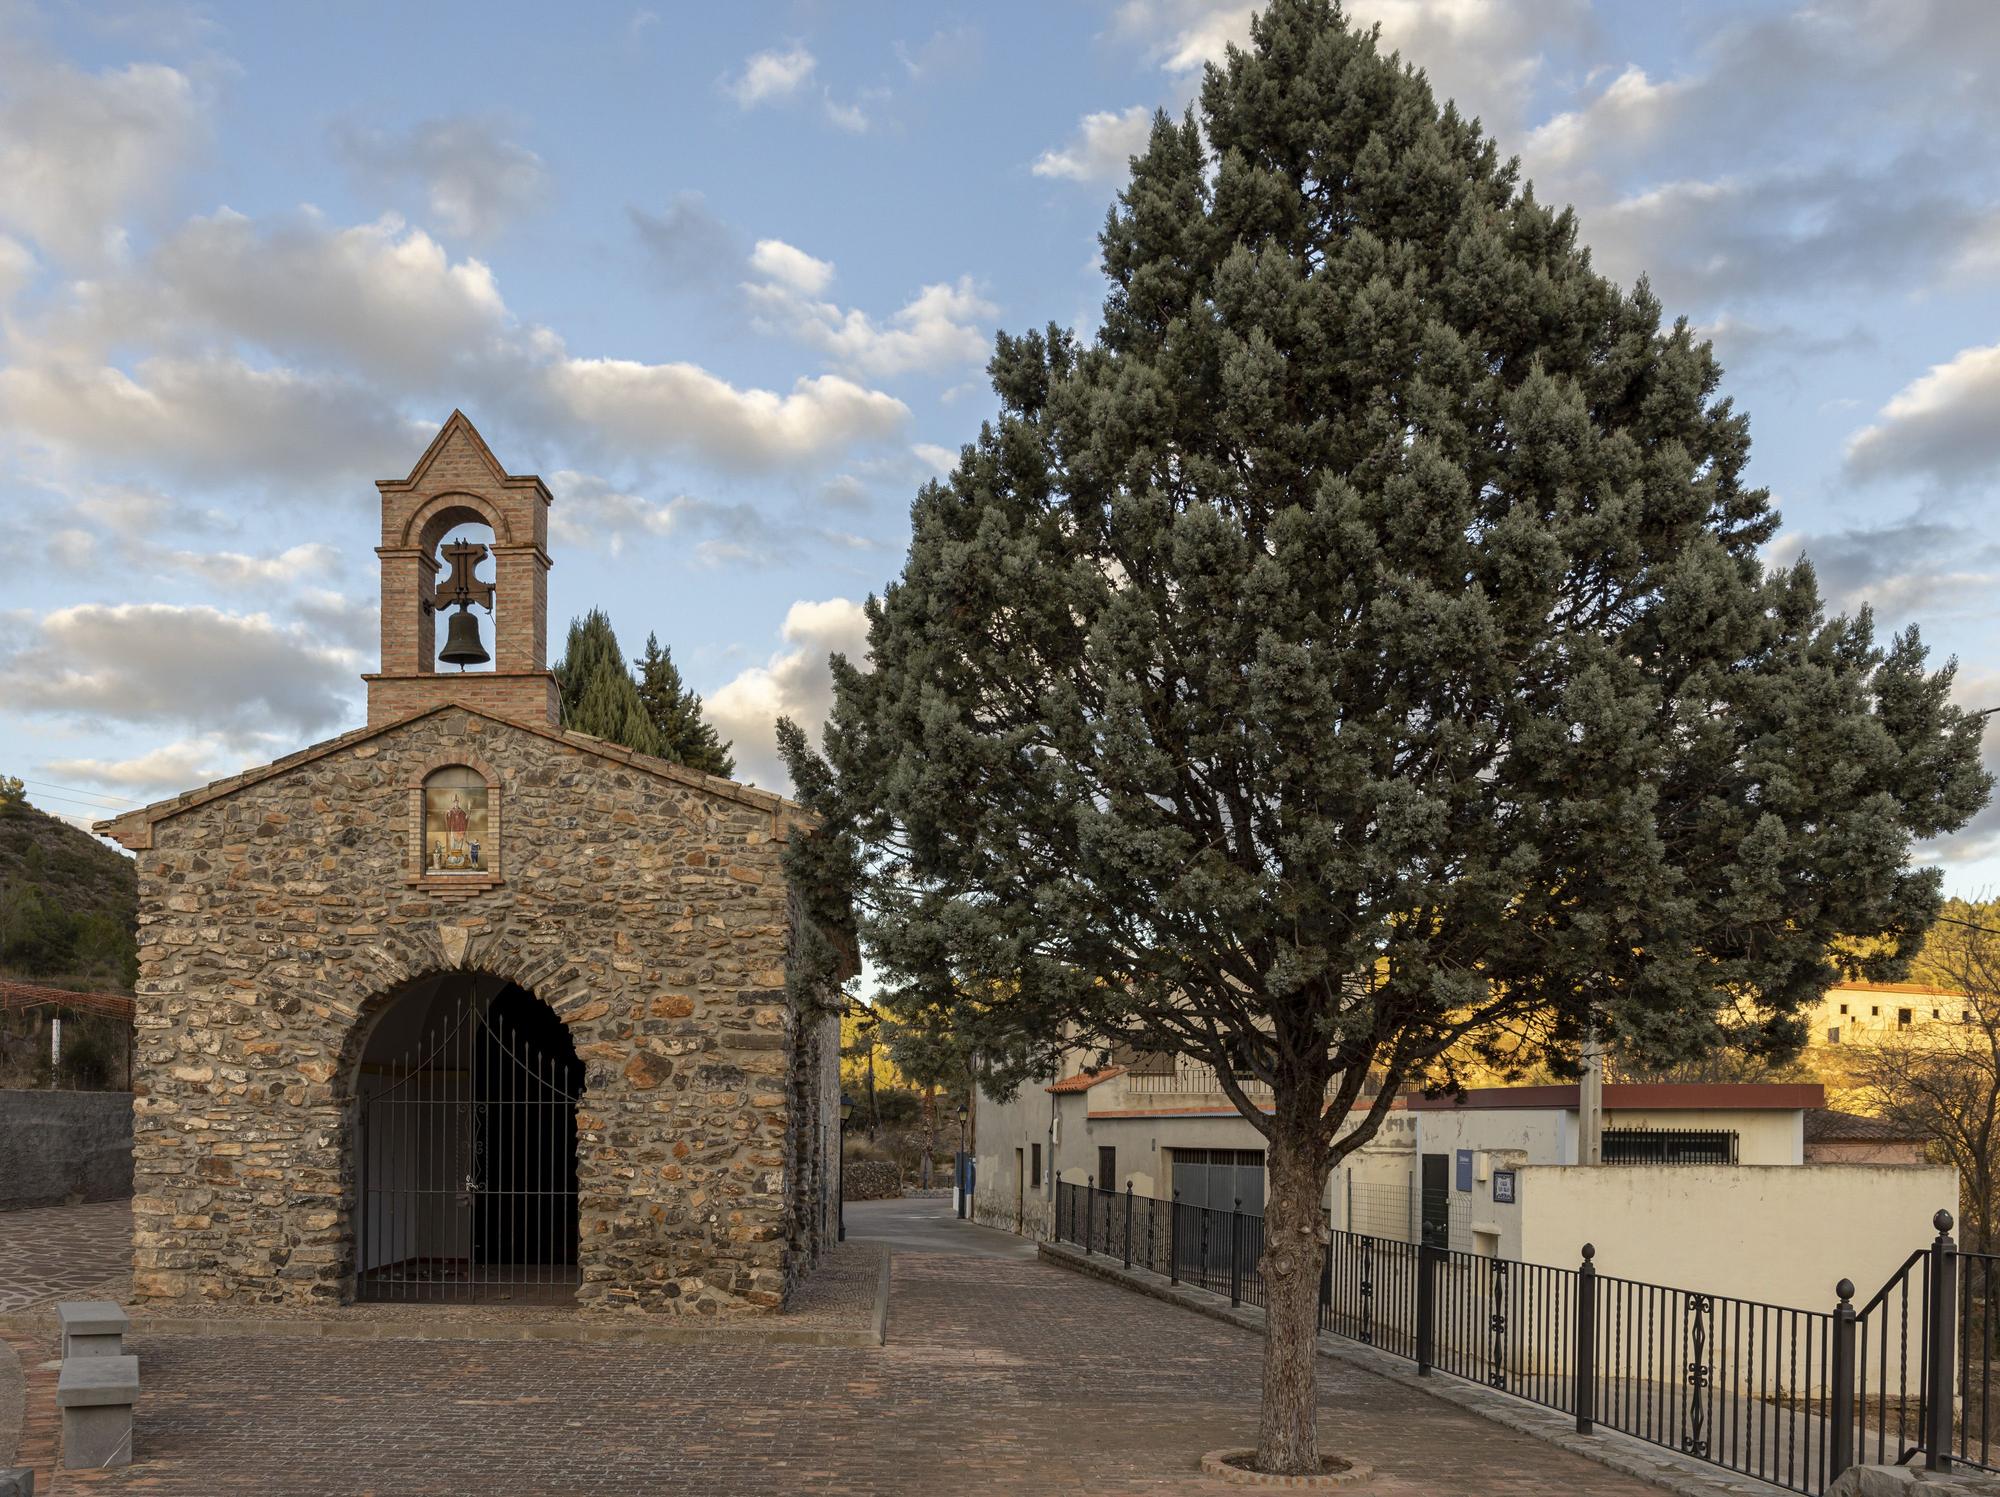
(462, 646)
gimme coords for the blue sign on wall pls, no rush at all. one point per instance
(1465, 1170)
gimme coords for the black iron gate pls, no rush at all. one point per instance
(465, 1154)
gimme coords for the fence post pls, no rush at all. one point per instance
(1128, 1223)
(1585, 1367)
(1173, 1239)
(1940, 1346)
(1841, 1455)
(1235, 1251)
(1426, 1301)
(1326, 1285)
(1089, 1212)
(1202, 1222)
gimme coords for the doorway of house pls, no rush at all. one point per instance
(1437, 1200)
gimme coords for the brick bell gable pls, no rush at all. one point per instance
(459, 481)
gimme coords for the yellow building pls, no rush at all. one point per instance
(1856, 1013)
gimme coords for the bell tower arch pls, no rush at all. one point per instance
(456, 482)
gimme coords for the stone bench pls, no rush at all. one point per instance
(96, 1394)
(92, 1328)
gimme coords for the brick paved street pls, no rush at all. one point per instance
(60, 1250)
(1001, 1375)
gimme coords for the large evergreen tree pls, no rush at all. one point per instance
(1359, 650)
(598, 693)
(675, 712)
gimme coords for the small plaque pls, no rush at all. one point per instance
(1503, 1187)
(1464, 1171)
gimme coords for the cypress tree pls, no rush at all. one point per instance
(597, 691)
(1357, 657)
(685, 735)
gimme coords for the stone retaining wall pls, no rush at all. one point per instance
(59, 1148)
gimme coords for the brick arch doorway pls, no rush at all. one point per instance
(463, 1132)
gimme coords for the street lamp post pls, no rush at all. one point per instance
(840, 1173)
(964, 1166)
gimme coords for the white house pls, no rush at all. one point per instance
(1699, 1186)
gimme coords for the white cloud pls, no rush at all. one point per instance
(381, 296)
(943, 459)
(1945, 425)
(1918, 566)
(849, 117)
(80, 151)
(255, 312)
(794, 683)
(770, 76)
(1102, 148)
(591, 511)
(163, 771)
(475, 181)
(213, 418)
(1486, 54)
(658, 408)
(793, 268)
(292, 567)
(17, 268)
(937, 329)
(1632, 108)
(159, 663)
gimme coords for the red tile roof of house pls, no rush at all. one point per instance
(1659, 1096)
(1083, 1081)
(1829, 1125)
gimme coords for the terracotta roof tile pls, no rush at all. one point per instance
(1083, 1081)
(1829, 1125)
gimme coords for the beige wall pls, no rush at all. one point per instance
(1782, 1235)
(1371, 1192)
(1001, 1195)
(1548, 1135)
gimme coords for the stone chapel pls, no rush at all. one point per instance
(460, 1006)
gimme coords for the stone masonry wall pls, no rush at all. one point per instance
(649, 914)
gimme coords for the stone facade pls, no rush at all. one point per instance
(281, 911)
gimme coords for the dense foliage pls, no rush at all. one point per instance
(598, 694)
(686, 736)
(68, 903)
(654, 714)
(1357, 655)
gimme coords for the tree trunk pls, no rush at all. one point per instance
(1295, 1238)
(930, 1131)
(874, 1102)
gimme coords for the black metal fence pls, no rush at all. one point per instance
(1788, 1396)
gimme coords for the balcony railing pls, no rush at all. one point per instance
(1189, 1078)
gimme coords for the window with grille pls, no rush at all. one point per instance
(1669, 1146)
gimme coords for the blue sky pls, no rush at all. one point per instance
(726, 276)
